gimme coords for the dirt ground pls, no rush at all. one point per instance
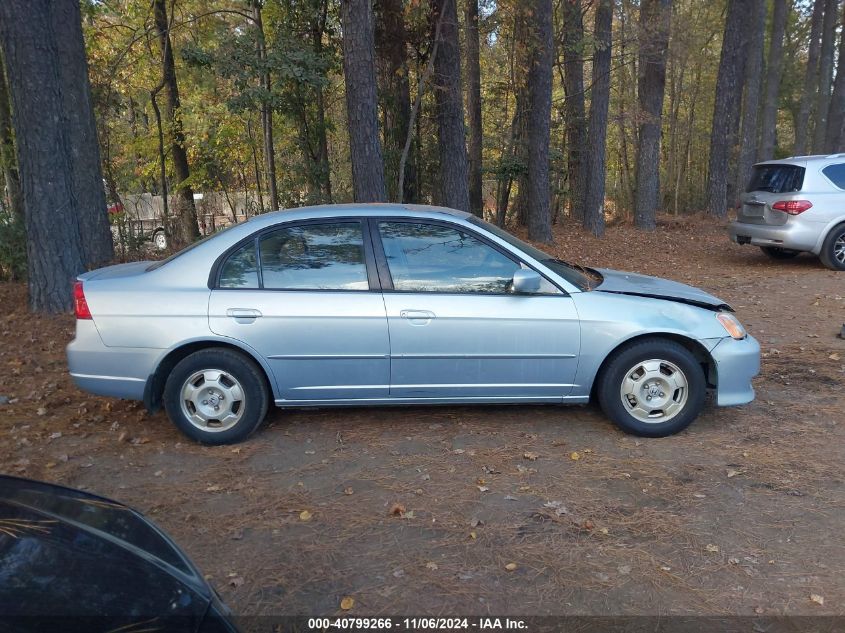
(422, 510)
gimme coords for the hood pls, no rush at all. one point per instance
(43, 522)
(654, 287)
(118, 270)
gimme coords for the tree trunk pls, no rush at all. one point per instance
(539, 122)
(476, 194)
(655, 20)
(361, 101)
(751, 100)
(573, 87)
(599, 102)
(811, 83)
(453, 189)
(836, 119)
(266, 109)
(831, 15)
(185, 229)
(727, 104)
(318, 29)
(768, 126)
(42, 133)
(7, 150)
(395, 97)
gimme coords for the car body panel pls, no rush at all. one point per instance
(356, 347)
(73, 561)
(759, 224)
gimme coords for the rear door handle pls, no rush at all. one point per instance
(417, 317)
(243, 313)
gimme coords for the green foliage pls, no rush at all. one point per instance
(12, 248)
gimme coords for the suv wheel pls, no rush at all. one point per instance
(216, 396)
(833, 249)
(775, 252)
(653, 388)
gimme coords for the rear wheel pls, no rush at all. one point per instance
(653, 388)
(775, 252)
(833, 249)
(216, 396)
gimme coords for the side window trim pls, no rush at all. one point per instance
(369, 256)
(384, 269)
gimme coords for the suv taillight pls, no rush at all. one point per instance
(792, 207)
(80, 305)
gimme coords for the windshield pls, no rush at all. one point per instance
(578, 276)
(776, 178)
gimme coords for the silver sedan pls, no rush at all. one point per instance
(397, 304)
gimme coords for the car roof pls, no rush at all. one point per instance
(803, 160)
(357, 209)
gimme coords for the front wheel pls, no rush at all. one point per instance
(216, 396)
(833, 249)
(778, 253)
(652, 388)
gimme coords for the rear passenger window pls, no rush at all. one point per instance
(240, 270)
(314, 257)
(836, 174)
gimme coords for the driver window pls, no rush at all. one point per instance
(437, 258)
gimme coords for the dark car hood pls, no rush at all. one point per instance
(66, 552)
(644, 286)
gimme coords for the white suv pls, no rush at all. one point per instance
(795, 205)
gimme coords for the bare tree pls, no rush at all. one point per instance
(599, 103)
(11, 177)
(574, 109)
(266, 109)
(185, 229)
(47, 76)
(361, 101)
(453, 189)
(727, 105)
(539, 122)
(811, 77)
(831, 15)
(835, 136)
(751, 100)
(774, 64)
(473, 87)
(655, 22)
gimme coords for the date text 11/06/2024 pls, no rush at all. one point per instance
(413, 624)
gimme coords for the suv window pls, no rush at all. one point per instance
(776, 178)
(836, 174)
(437, 258)
(314, 257)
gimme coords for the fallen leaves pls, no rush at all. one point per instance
(530, 456)
(305, 515)
(347, 603)
(431, 565)
(711, 548)
(511, 567)
(819, 600)
(396, 510)
(574, 456)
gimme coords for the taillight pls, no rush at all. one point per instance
(792, 207)
(80, 305)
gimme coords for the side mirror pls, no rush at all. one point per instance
(526, 281)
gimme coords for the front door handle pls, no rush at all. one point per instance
(417, 317)
(243, 313)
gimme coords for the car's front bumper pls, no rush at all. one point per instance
(737, 362)
(796, 236)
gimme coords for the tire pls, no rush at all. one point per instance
(160, 240)
(209, 374)
(775, 252)
(833, 249)
(654, 362)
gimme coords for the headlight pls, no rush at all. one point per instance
(732, 325)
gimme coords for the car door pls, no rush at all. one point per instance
(456, 329)
(304, 297)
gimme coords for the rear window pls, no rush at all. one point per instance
(776, 178)
(836, 174)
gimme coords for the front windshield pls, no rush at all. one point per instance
(572, 273)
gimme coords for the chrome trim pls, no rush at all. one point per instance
(328, 356)
(476, 356)
(98, 377)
